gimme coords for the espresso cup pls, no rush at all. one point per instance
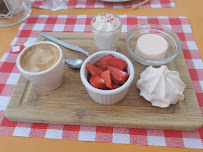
(48, 79)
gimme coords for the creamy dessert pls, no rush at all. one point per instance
(151, 46)
(106, 30)
(161, 86)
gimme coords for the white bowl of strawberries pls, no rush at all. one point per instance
(107, 76)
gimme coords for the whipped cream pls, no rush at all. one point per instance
(106, 30)
(106, 23)
(161, 86)
(151, 46)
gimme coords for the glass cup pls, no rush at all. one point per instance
(106, 39)
(55, 5)
(14, 11)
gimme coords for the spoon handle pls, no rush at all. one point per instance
(65, 44)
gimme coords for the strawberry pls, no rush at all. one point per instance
(106, 76)
(106, 88)
(116, 63)
(101, 63)
(115, 81)
(97, 82)
(93, 69)
(118, 74)
(115, 86)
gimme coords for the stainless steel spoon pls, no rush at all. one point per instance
(73, 63)
(65, 44)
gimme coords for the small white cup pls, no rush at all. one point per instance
(49, 79)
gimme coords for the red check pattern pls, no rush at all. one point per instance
(34, 25)
(70, 4)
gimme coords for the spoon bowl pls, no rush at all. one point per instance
(73, 63)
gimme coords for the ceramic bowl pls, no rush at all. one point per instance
(106, 97)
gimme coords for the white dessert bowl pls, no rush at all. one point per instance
(106, 40)
(174, 44)
(106, 97)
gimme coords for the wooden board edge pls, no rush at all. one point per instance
(70, 35)
(17, 95)
(186, 123)
(192, 124)
(191, 90)
(40, 38)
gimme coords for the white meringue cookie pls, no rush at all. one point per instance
(161, 86)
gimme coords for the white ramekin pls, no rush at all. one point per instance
(106, 97)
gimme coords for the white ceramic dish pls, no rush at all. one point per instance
(106, 97)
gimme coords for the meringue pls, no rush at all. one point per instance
(161, 86)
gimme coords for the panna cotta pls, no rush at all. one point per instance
(151, 46)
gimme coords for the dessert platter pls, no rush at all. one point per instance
(140, 81)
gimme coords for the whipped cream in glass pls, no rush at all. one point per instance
(106, 29)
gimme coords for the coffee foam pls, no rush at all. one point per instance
(39, 57)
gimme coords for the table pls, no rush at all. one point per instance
(188, 8)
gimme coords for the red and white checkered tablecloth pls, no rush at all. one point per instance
(70, 4)
(29, 30)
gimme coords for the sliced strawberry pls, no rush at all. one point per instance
(115, 81)
(115, 86)
(118, 74)
(116, 63)
(97, 82)
(93, 69)
(101, 63)
(106, 88)
(106, 76)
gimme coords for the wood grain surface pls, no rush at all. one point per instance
(70, 103)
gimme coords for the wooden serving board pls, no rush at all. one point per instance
(70, 103)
